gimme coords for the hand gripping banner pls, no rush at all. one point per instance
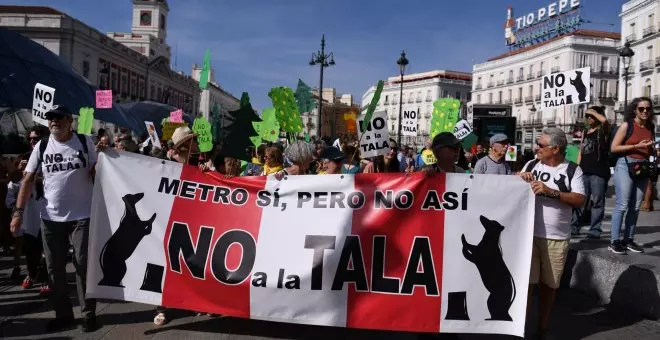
(450, 253)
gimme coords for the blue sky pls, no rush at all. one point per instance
(258, 44)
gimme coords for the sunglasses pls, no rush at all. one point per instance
(644, 109)
(541, 146)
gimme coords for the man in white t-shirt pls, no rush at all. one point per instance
(67, 162)
(559, 188)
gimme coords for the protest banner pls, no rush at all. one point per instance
(567, 88)
(42, 102)
(375, 251)
(168, 129)
(103, 99)
(374, 136)
(410, 117)
(153, 135)
(202, 128)
(176, 116)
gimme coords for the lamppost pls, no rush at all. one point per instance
(626, 53)
(533, 112)
(324, 60)
(402, 62)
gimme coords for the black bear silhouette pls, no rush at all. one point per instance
(123, 242)
(561, 184)
(579, 86)
(495, 275)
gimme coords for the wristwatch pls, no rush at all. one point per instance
(553, 194)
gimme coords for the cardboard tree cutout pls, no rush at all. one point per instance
(287, 112)
(445, 115)
(241, 134)
(269, 128)
(304, 97)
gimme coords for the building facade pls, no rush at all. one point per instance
(515, 79)
(420, 90)
(214, 95)
(103, 61)
(640, 25)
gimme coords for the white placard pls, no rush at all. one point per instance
(470, 114)
(42, 102)
(462, 129)
(567, 88)
(151, 129)
(511, 153)
(376, 136)
(409, 119)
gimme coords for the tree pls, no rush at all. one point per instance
(304, 98)
(286, 109)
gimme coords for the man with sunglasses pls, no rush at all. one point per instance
(67, 162)
(559, 188)
(445, 147)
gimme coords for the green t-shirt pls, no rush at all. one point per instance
(572, 153)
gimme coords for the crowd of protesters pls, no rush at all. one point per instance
(48, 216)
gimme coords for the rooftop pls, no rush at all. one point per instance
(580, 32)
(30, 10)
(444, 74)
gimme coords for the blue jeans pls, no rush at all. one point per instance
(594, 187)
(629, 195)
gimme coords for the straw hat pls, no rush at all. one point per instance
(181, 135)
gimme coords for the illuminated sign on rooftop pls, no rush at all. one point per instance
(547, 22)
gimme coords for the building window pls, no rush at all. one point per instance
(145, 18)
(152, 93)
(134, 88)
(582, 62)
(151, 53)
(478, 99)
(616, 90)
(159, 97)
(603, 89)
(510, 74)
(541, 67)
(478, 82)
(647, 88)
(162, 21)
(521, 72)
(531, 69)
(428, 94)
(531, 90)
(604, 64)
(490, 98)
(469, 96)
(499, 97)
(445, 93)
(114, 82)
(124, 84)
(85, 69)
(419, 96)
(510, 94)
(458, 94)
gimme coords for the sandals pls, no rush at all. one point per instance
(160, 319)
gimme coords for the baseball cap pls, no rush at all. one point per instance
(498, 138)
(58, 111)
(445, 139)
(332, 154)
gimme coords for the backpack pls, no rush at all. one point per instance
(570, 171)
(44, 144)
(629, 131)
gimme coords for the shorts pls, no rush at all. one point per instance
(548, 259)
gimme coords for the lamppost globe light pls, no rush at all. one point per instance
(402, 62)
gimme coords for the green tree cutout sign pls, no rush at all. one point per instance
(304, 98)
(445, 115)
(269, 127)
(286, 109)
(202, 128)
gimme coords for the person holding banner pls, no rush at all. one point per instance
(446, 148)
(273, 161)
(301, 156)
(559, 188)
(332, 160)
(67, 162)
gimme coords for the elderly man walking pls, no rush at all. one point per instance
(559, 188)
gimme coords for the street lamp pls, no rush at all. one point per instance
(626, 54)
(532, 111)
(323, 60)
(402, 62)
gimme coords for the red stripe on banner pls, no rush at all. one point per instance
(391, 303)
(210, 281)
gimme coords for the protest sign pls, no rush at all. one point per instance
(462, 129)
(567, 88)
(202, 128)
(103, 99)
(176, 116)
(410, 117)
(153, 135)
(374, 136)
(511, 153)
(390, 252)
(85, 120)
(168, 129)
(42, 102)
(428, 157)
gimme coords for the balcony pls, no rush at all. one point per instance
(477, 87)
(540, 74)
(555, 69)
(518, 101)
(393, 117)
(550, 122)
(537, 98)
(648, 31)
(507, 101)
(509, 80)
(427, 115)
(520, 78)
(605, 96)
(608, 70)
(428, 99)
(529, 99)
(631, 38)
(645, 65)
(491, 84)
(530, 76)
(500, 82)
(419, 100)
(498, 102)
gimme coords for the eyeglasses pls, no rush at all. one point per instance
(644, 109)
(34, 139)
(541, 146)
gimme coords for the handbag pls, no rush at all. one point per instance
(641, 170)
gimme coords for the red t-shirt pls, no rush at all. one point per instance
(639, 134)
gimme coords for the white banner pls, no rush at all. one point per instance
(376, 136)
(410, 118)
(567, 88)
(378, 251)
(42, 102)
